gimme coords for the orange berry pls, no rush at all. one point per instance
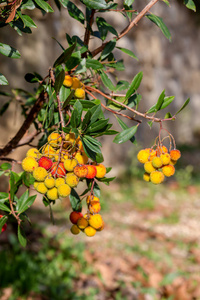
(82, 223)
(90, 231)
(175, 154)
(75, 83)
(68, 81)
(74, 216)
(81, 171)
(92, 198)
(161, 150)
(92, 171)
(157, 177)
(58, 170)
(168, 170)
(165, 157)
(94, 207)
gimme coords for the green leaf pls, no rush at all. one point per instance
(2, 222)
(3, 197)
(59, 81)
(159, 22)
(27, 179)
(166, 102)
(92, 146)
(96, 4)
(12, 187)
(63, 58)
(124, 127)
(95, 127)
(125, 135)
(64, 93)
(182, 107)
(93, 64)
(75, 201)
(81, 67)
(106, 180)
(128, 2)
(122, 85)
(160, 101)
(5, 166)
(73, 10)
(28, 5)
(190, 4)
(9, 51)
(96, 190)
(129, 52)
(106, 81)
(44, 5)
(76, 114)
(69, 97)
(110, 46)
(21, 237)
(134, 84)
(74, 60)
(27, 20)
(95, 113)
(134, 100)
(3, 80)
(86, 120)
(4, 207)
(168, 115)
(104, 27)
(24, 202)
(93, 140)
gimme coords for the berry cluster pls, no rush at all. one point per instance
(75, 84)
(58, 168)
(89, 223)
(158, 163)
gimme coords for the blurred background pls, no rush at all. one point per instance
(150, 247)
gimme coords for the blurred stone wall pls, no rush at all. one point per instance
(173, 66)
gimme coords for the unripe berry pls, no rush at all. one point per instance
(96, 221)
(33, 152)
(68, 81)
(168, 170)
(90, 231)
(41, 188)
(75, 230)
(70, 164)
(148, 167)
(59, 181)
(45, 163)
(101, 171)
(92, 171)
(81, 158)
(52, 194)
(94, 207)
(165, 158)
(72, 180)
(54, 139)
(81, 171)
(82, 223)
(146, 177)
(74, 216)
(48, 151)
(157, 162)
(79, 93)
(40, 174)
(29, 164)
(70, 137)
(157, 177)
(143, 156)
(64, 190)
(152, 153)
(49, 182)
(58, 170)
(76, 83)
(175, 154)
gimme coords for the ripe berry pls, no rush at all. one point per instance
(175, 154)
(68, 81)
(92, 171)
(74, 216)
(96, 221)
(101, 171)
(81, 171)
(90, 231)
(157, 177)
(168, 170)
(94, 207)
(165, 157)
(45, 163)
(92, 198)
(58, 170)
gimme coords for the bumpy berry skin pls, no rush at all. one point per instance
(82, 159)
(70, 164)
(148, 167)
(40, 174)
(74, 216)
(157, 162)
(90, 231)
(161, 150)
(101, 171)
(165, 157)
(92, 198)
(54, 139)
(152, 153)
(94, 207)
(146, 177)
(96, 221)
(175, 154)
(59, 181)
(72, 180)
(45, 163)
(81, 171)
(29, 164)
(68, 81)
(92, 171)
(168, 170)
(49, 151)
(58, 170)
(41, 188)
(143, 156)
(4, 226)
(49, 182)
(82, 223)
(102, 227)
(157, 177)
(52, 194)
(64, 190)
(34, 152)
(75, 230)
(79, 93)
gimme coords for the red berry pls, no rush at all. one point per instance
(74, 216)
(92, 171)
(45, 162)
(58, 170)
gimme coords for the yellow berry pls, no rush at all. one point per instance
(49, 182)
(168, 170)
(40, 173)
(49, 151)
(82, 159)
(59, 181)
(33, 152)
(29, 164)
(143, 156)
(75, 83)
(94, 207)
(68, 81)
(146, 177)
(52, 194)
(101, 171)
(41, 188)
(64, 190)
(152, 153)
(80, 145)
(148, 167)
(54, 139)
(96, 221)
(90, 231)
(70, 137)
(79, 93)
(157, 177)
(157, 162)
(165, 157)
(92, 198)
(72, 180)
(35, 184)
(82, 223)
(75, 230)
(70, 164)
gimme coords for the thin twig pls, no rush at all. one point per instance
(88, 28)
